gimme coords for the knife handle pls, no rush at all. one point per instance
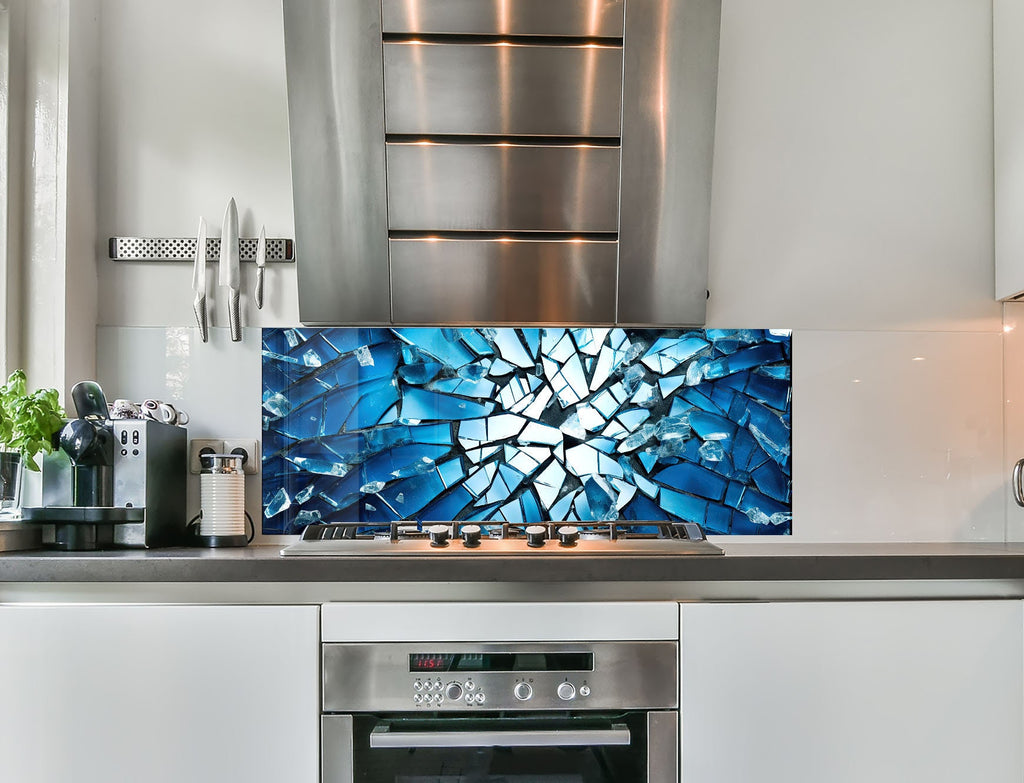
(234, 317)
(199, 306)
(258, 293)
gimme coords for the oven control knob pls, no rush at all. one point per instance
(438, 535)
(566, 691)
(568, 535)
(470, 535)
(536, 535)
(453, 692)
(584, 690)
(522, 691)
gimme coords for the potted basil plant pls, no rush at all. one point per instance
(28, 423)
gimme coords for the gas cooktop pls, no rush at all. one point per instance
(457, 539)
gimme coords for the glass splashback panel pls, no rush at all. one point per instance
(527, 425)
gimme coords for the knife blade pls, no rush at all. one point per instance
(229, 272)
(199, 282)
(261, 262)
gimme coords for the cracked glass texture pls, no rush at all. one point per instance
(512, 425)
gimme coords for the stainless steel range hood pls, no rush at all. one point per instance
(502, 161)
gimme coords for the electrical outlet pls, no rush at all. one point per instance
(198, 446)
(249, 449)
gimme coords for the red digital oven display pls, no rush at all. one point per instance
(431, 662)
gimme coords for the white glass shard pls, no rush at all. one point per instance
(363, 356)
(712, 451)
(511, 349)
(280, 502)
(572, 427)
(536, 408)
(565, 348)
(590, 418)
(535, 432)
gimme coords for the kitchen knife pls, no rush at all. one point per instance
(229, 274)
(261, 262)
(199, 281)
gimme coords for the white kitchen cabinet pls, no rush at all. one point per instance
(1008, 130)
(161, 694)
(847, 692)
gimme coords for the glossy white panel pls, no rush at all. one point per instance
(193, 111)
(217, 383)
(1008, 118)
(507, 622)
(1013, 394)
(897, 436)
(853, 166)
(161, 694)
(849, 692)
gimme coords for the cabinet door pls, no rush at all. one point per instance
(882, 691)
(1008, 121)
(162, 694)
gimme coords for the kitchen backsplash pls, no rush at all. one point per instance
(526, 425)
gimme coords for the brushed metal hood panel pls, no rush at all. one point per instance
(476, 162)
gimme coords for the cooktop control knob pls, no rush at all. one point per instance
(566, 691)
(470, 535)
(522, 691)
(453, 692)
(568, 535)
(535, 535)
(438, 535)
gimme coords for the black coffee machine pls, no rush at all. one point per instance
(112, 482)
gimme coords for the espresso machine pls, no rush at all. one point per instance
(112, 483)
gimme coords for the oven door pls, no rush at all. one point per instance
(631, 747)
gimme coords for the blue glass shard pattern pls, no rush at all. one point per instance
(527, 425)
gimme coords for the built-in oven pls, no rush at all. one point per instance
(516, 712)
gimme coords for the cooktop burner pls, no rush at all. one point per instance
(471, 539)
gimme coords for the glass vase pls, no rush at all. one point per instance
(11, 469)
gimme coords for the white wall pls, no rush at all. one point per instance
(194, 112)
(852, 203)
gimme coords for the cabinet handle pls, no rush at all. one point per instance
(1018, 487)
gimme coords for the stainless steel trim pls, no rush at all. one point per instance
(1018, 482)
(595, 18)
(670, 549)
(502, 187)
(663, 747)
(670, 70)
(383, 737)
(336, 122)
(493, 281)
(336, 749)
(491, 89)
(365, 677)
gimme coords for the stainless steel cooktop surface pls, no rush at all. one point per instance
(457, 539)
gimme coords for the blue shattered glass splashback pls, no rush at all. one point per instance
(527, 425)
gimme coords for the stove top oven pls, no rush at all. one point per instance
(517, 711)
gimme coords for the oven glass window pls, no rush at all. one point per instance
(482, 759)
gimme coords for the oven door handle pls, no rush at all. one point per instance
(383, 737)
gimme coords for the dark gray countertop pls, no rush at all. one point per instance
(743, 562)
